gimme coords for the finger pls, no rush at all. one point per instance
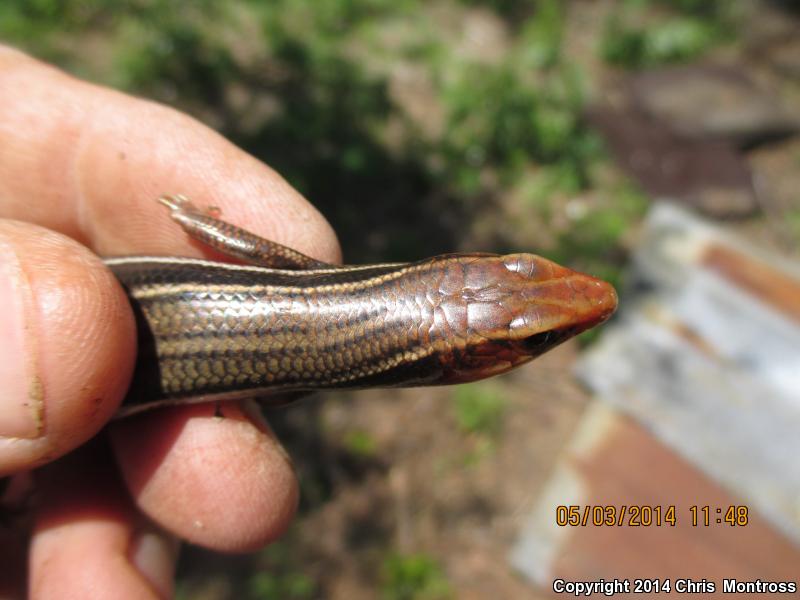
(98, 158)
(68, 345)
(94, 160)
(221, 482)
(87, 539)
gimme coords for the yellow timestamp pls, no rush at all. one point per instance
(705, 516)
(612, 515)
(644, 515)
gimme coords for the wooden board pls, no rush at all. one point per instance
(614, 461)
(698, 405)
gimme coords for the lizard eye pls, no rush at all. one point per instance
(541, 342)
(537, 341)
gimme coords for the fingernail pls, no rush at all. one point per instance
(21, 401)
(154, 554)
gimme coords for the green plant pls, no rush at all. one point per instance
(280, 578)
(292, 586)
(793, 223)
(498, 120)
(414, 577)
(591, 243)
(360, 443)
(633, 38)
(541, 35)
(479, 408)
(676, 40)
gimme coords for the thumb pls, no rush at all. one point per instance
(67, 345)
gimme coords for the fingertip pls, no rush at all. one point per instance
(90, 560)
(154, 554)
(221, 482)
(88, 541)
(69, 345)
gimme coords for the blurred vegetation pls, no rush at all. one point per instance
(274, 573)
(479, 408)
(280, 579)
(648, 33)
(480, 411)
(414, 577)
(360, 443)
(312, 88)
(793, 223)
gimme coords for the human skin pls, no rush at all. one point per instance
(80, 168)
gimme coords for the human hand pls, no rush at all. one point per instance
(80, 167)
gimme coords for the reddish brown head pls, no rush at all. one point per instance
(507, 310)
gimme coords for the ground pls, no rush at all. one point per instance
(421, 493)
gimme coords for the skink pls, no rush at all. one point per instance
(219, 331)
